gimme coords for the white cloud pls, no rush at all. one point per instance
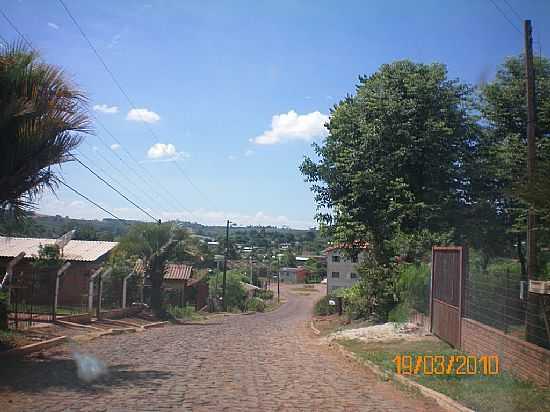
(232, 157)
(103, 108)
(53, 25)
(294, 126)
(114, 41)
(249, 153)
(115, 146)
(165, 152)
(142, 115)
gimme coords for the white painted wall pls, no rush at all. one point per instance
(345, 267)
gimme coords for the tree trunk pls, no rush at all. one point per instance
(521, 258)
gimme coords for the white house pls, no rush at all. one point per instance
(342, 269)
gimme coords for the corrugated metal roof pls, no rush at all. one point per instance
(177, 271)
(78, 250)
(355, 245)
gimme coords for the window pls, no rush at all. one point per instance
(335, 275)
(354, 258)
(353, 275)
(335, 258)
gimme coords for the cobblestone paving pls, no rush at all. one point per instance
(262, 362)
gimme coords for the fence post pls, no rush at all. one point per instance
(100, 291)
(124, 286)
(506, 285)
(58, 275)
(91, 290)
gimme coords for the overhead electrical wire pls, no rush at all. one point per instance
(114, 188)
(93, 172)
(124, 93)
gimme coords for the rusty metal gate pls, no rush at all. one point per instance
(449, 266)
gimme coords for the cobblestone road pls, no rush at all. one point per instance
(262, 362)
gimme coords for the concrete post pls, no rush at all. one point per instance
(58, 276)
(124, 286)
(100, 290)
(91, 289)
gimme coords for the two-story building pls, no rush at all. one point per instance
(341, 268)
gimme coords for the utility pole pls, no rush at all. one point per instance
(531, 315)
(531, 147)
(250, 268)
(225, 265)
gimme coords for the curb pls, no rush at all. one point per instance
(75, 325)
(313, 328)
(442, 400)
(33, 347)
(155, 325)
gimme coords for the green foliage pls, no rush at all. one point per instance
(235, 292)
(49, 257)
(400, 313)
(255, 304)
(413, 286)
(264, 294)
(393, 160)
(322, 308)
(42, 117)
(179, 312)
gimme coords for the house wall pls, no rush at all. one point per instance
(73, 286)
(288, 276)
(518, 357)
(345, 267)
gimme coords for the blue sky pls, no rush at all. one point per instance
(236, 91)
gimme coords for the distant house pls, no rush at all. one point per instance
(293, 275)
(342, 269)
(85, 257)
(213, 245)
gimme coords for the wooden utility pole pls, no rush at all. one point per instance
(531, 147)
(532, 321)
(225, 265)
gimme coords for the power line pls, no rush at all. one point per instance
(156, 184)
(115, 189)
(90, 200)
(16, 29)
(506, 17)
(118, 182)
(119, 86)
(513, 10)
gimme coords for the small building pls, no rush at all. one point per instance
(293, 275)
(341, 268)
(84, 256)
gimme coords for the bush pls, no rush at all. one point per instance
(400, 313)
(235, 292)
(322, 308)
(179, 312)
(413, 286)
(255, 305)
(264, 294)
(3, 311)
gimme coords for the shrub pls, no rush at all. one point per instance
(322, 308)
(3, 311)
(255, 305)
(400, 313)
(235, 293)
(413, 286)
(179, 312)
(264, 294)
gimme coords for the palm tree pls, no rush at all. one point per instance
(41, 117)
(155, 244)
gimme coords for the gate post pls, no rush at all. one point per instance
(432, 289)
(100, 291)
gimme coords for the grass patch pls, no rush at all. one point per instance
(186, 312)
(481, 393)
(10, 339)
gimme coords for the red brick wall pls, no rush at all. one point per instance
(519, 358)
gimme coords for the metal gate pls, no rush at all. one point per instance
(449, 266)
(31, 300)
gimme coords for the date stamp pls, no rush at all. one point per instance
(446, 365)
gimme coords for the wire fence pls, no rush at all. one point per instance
(500, 300)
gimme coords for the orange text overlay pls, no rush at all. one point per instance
(446, 365)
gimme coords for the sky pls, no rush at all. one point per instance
(227, 97)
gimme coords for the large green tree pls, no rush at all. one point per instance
(393, 161)
(41, 117)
